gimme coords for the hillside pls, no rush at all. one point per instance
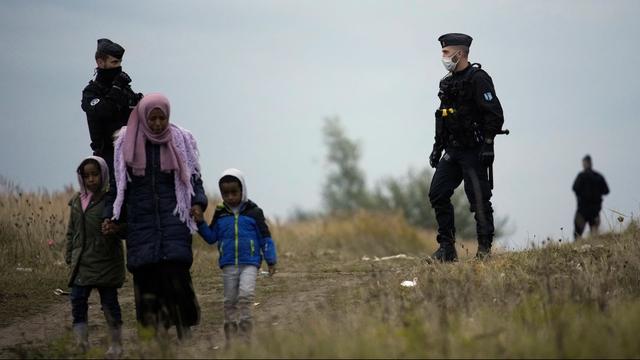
(336, 294)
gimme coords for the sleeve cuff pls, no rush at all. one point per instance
(201, 225)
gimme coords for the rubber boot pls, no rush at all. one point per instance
(246, 328)
(230, 331)
(81, 333)
(115, 350)
(446, 252)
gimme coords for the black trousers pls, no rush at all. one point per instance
(580, 222)
(164, 296)
(108, 300)
(457, 165)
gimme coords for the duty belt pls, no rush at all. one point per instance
(476, 139)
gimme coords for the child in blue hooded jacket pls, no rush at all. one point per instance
(241, 232)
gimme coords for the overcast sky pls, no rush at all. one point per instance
(254, 79)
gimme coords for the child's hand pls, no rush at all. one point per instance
(272, 270)
(197, 213)
(115, 228)
(108, 227)
(105, 225)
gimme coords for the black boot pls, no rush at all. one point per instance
(230, 331)
(484, 249)
(446, 252)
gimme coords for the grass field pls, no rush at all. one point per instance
(337, 296)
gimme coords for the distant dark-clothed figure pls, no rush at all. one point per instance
(108, 99)
(589, 187)
(467, 121)
(158, 184)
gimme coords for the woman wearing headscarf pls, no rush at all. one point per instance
(157, 185)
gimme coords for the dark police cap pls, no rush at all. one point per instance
(455, 39)
(106, 46)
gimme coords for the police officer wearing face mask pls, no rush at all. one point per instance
(108, 99)
(467, 121)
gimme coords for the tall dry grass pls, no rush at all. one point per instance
(360, 234)
(33, 229)
(33, 226)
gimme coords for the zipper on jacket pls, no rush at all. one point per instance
(235, 225)
(156, 199)
(153, 186)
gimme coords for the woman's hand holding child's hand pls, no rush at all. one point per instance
(109, 227)
(197, 213)
(105, 226)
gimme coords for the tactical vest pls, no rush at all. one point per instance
(132, 97)
(105, 129)
(458, 120)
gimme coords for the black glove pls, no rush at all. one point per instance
(122, 80)
(434, 158)
(135, 99)
(486, 154)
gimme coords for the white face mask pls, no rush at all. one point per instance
(449, 64)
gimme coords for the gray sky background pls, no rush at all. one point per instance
(254, 79)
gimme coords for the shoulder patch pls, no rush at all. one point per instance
(488, 96)
(94, 102)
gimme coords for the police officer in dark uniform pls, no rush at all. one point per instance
(469, 118)
(108, 99)
(589, 187)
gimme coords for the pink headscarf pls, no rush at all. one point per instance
(138, 133)
(178, 153)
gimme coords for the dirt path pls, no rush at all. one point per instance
(276, 306)
(41, 329)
